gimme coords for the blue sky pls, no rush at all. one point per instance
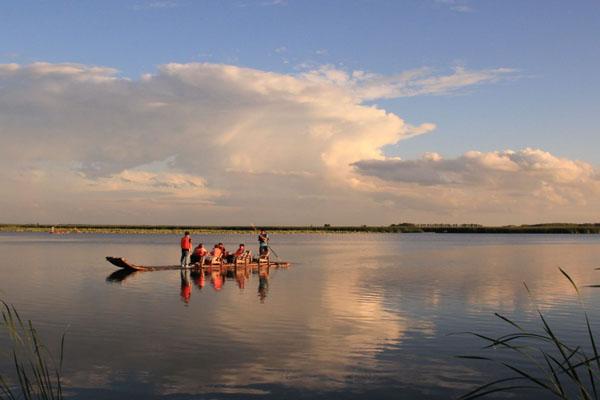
(549, 101)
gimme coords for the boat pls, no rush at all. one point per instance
(122, 262)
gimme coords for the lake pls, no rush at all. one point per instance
(354, 316)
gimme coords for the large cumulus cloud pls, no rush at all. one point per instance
(73, 135)
(207, 143)
(208, 117)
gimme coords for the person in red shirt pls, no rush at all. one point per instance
(199, 254)
(186, 247)
(238, 253)
(215, 254)
(240, 250)
(224, 252)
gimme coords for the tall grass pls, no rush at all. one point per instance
(559, 369)
(36, 376)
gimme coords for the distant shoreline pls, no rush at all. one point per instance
(558, 228)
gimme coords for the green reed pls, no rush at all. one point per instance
(36, 376)
(560, 369)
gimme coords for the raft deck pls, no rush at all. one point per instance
(122, 262)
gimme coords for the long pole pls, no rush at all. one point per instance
(274, 252)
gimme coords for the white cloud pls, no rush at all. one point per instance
(274, 3)
(477, 168)
(417, 82)
(456, 5)
(208, 115)
(156, 5)
(178, 185)
(242, 145)
(525, 184)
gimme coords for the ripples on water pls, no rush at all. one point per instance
(356, 316)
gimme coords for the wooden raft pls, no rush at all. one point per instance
(122, 262)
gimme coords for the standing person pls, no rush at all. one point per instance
(186, 247)
(263, 242)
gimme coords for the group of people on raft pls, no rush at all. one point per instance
(200, 255)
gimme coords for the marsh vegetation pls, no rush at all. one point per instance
(35, 374)
(588, 228)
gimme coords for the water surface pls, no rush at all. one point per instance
(355, 316)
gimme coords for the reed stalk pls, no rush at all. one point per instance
(35, 374)
(559, 369)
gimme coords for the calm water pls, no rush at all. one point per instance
(356, 316)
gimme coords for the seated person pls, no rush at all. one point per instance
(215, 254)
(240, 252)
(199, 254)
(226, 256)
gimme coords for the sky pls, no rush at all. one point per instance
(276, 112)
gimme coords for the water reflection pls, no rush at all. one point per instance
(241, 276)
(216, 275)
(199, 279)
(263, 284)
(357, 316)
(186, 286)
(120, 275)
(217, 279)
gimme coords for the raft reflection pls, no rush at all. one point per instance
(217, 276)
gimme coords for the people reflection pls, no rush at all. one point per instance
(186, 286)
(263, 283)
(241, 276)
(199, 278)
(216, 280)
